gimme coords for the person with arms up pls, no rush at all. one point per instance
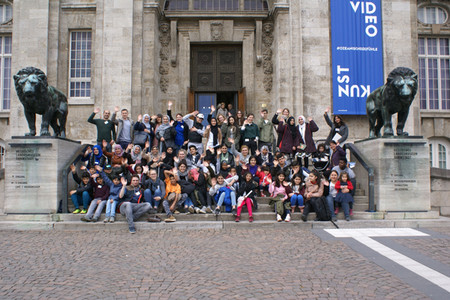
(106, 130)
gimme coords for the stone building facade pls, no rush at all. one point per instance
(140, 54)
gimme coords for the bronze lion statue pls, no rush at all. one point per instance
(395, 96)
(38, 97)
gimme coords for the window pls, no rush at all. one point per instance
(5, 13)
(431, 15)
(80, 64)
(5, 72)
(439, 153)
(177, 5)
(220, 5)
(434, 73)
(255, 5)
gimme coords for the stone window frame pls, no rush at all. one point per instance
(425, 59)
(75, 80)
(5, 105)
(439, 153)
(436, 7)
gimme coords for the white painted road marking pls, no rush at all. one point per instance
(364, 237)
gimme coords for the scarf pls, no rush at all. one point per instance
(117, 146)
(265, 158)
(215, 132)
(194, 173)
(136, 157)
(291, 128)
(162, 128)
(302, 128)
(100, 152)
(182, 175)
(147, 125)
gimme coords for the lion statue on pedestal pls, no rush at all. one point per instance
(38, 97)
(395, 96)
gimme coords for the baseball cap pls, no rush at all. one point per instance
(201, 116)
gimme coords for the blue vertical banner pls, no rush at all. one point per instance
(357, 53)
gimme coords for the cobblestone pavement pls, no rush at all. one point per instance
(254, 263)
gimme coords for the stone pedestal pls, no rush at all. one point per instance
(33, 179)
(402, 172)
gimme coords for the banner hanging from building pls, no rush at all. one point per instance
(357, 53)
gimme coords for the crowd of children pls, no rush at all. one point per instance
(182, 166)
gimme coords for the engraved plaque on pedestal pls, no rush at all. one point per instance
(33, 182)
(402, 172)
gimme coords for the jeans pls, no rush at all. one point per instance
(97, 208)
(330, 201)
(296, 200)
(133, 211)
(150, 198)
(222, 198)
(188, 202)
(166, 205)
(111, 208)
(346, 207)
(76, 199)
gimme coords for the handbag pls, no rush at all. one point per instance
(140, 137)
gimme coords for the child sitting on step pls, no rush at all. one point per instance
(247, 196)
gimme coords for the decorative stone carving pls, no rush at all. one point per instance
(164, 67)
(216, 31)
(164, 83)
(267, 83)
(267, 40)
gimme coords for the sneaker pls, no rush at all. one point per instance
(170, 219)
(197, 210)
(111, 220)
(234, 212)
(191, 209)
(209, 210)
(351, 212)
(154, 219)
(176, 212)
(238, 218)
(94, 220)
(217, 211)
(262, 194)
(85, 219)
(76, 211)
(203, 210)
(336, 211)
(83, 211)
(250, 219)
(279, 219)
(288, 218)
(132, 230)
(106, 220)
(303, 217)
(347, 219)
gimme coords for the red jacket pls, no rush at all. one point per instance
(264, 178)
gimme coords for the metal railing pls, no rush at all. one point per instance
(64, 208)
(370, 170)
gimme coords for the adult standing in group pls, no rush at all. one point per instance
(266, 131)
(250, 133)
(125, 127)
(160, 134)
(339, 131)
(280, 115)
(143, 131)
(196, 130)
(106, 130)
(230, 130)
(290, 137)
(178, 133)
(307, 144)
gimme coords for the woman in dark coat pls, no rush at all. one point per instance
(306, 144)
(290, 136)
(339, 131)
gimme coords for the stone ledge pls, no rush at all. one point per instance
(439, 173)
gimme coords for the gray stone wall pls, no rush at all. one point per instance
(440, 189)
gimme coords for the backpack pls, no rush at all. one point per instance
(321, 208)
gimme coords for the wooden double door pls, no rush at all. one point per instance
(216, 70)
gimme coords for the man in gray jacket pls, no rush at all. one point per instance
(125, 128)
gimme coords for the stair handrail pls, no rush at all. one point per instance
(370, 170)
(65, 174)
